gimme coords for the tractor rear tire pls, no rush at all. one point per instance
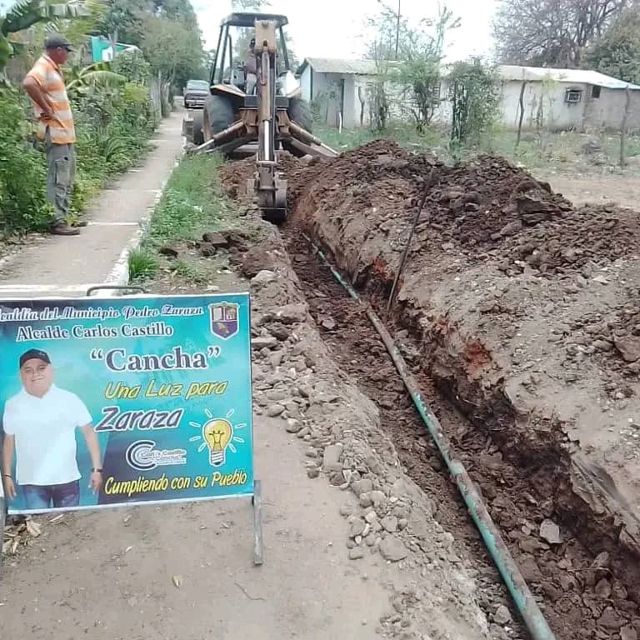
(197, 136)
(218, 115)
(300, 112)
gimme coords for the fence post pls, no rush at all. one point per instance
(521, 103)
(623, 129)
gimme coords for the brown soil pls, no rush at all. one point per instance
(486, 210)
(521, 309)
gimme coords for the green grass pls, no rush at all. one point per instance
(191, 272)
(193, 203)
(406, 136)
(143, 264)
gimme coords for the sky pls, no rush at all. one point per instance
(334, 28)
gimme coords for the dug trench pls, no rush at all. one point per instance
(517, 313)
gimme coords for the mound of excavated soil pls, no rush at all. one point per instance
(487, 209)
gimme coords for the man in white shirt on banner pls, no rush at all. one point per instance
(40, 425)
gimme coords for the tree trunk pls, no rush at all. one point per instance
(520, 121)
(398, 29)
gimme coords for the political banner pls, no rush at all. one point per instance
(122, 401)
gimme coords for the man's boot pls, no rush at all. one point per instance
(64, 229)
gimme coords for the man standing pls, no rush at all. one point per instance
(45, 86)
(40, 425)
(251, 68)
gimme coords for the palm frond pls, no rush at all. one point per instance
(81, 80)
(101, 79)
(26, 13)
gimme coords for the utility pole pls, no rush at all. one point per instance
(398, 28)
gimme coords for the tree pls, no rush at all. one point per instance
(551, 32)
(408, 60)
(24, 15)
(617, 52)
(172, 50)
(166, 31)
(475, 100)
(122, 21)
(250, 5)
(421, 54)
(181, 10)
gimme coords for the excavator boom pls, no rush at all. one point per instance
(240, 120)
(270, 188)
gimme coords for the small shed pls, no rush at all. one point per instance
(102, 49)
(563, 99)
(337, 88)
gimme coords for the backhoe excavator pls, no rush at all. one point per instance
(261, 115)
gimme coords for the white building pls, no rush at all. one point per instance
(338, 88)
(560, 99)
(554, 99)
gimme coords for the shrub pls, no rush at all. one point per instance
(23, 202)
(113, 127)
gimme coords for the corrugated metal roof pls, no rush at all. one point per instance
(577, 76)
(340, 65)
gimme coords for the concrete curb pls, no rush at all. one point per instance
(119, 274)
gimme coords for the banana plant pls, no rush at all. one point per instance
(80, 80)
(27, 13)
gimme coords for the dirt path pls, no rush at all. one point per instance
(610, 189)
(54, 265)
(109, 575)
(185, 571)
(353, 548)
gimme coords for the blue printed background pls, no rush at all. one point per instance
(77, 372)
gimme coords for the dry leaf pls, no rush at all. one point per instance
(177, 581)
(34, 529)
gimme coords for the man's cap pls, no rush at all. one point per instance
(55, 41)
(34, 354)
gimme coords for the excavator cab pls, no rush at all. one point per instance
(236, 43)
(255, 106)
(233, 82)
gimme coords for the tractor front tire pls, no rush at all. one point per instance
(218, 115)
(300, 112)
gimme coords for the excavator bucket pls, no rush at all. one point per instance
(276, 211)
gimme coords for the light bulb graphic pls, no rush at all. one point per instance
(217, 434)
